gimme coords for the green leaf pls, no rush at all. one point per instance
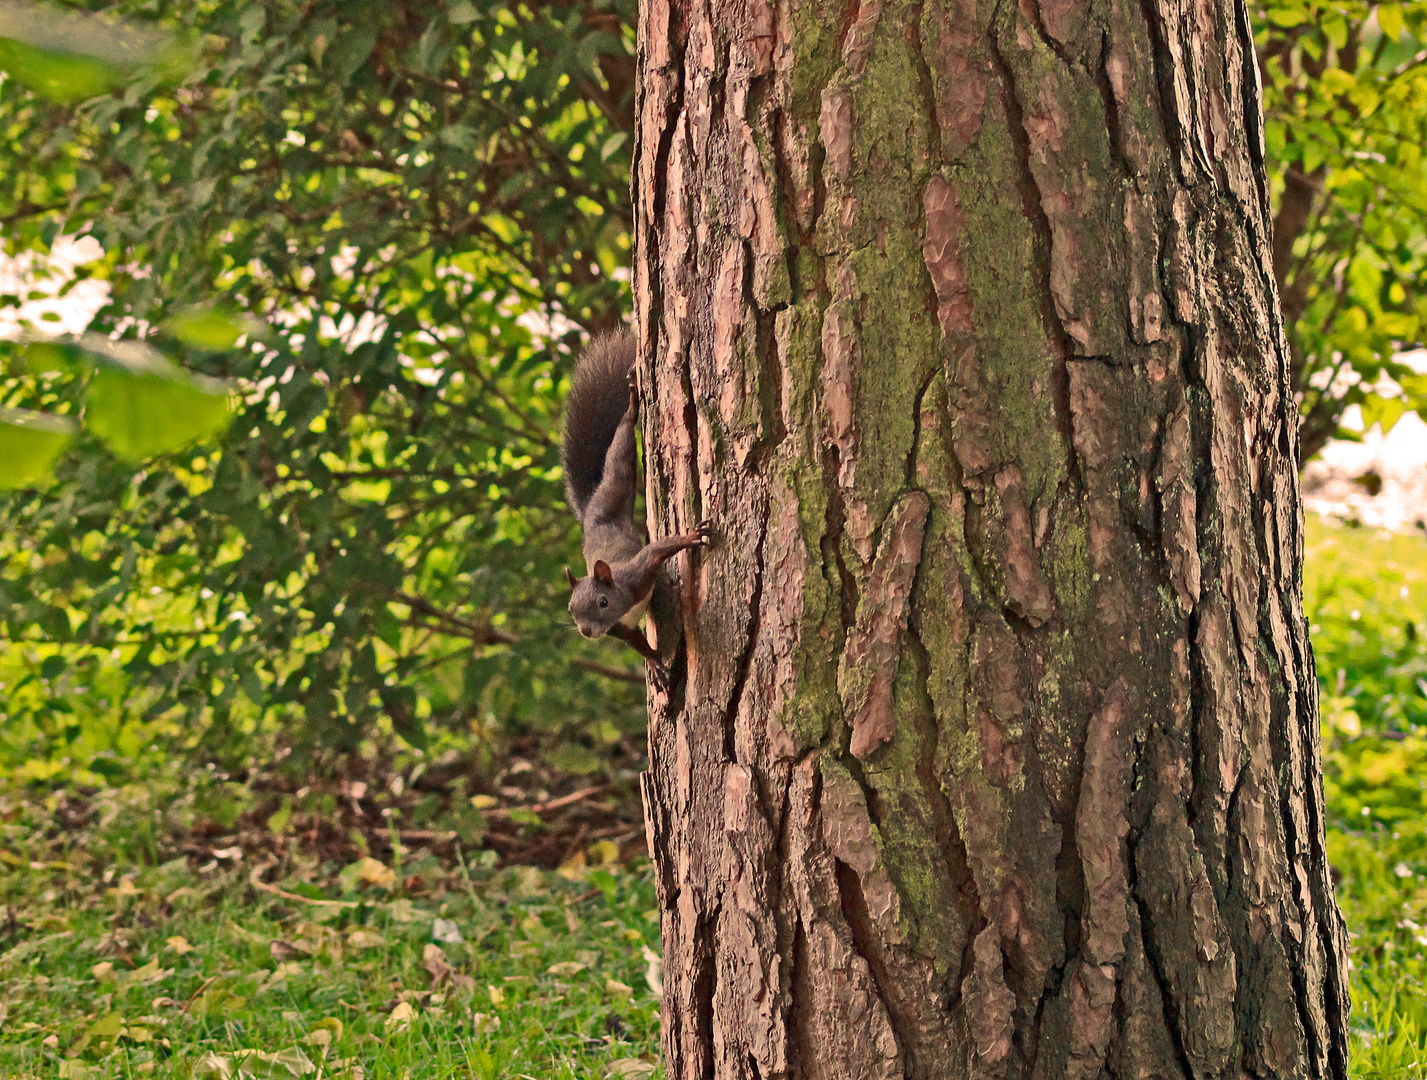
(1287, 17)
(206, 328)
(612, 145)
(72, 55)
(45, 357)
(1389, 20)
(350, 51)
(29, 444)
(1381, 410)
(400, 705)
(59, 76)
(139, 416)
(460, 12)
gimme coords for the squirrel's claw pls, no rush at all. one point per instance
(705, 529)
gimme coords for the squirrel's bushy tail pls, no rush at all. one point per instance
(598, 398)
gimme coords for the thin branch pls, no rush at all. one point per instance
(621, 674)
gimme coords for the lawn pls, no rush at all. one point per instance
(120, 957)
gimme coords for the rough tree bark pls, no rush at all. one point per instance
(995, 750)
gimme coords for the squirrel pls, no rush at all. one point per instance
(598, 458)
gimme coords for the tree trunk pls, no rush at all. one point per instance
(995, 748)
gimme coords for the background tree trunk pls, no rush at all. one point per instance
(997, 748)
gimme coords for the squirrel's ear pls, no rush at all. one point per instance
(602, 573)
(569, 577)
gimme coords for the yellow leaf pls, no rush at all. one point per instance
(483, 802)
(1389, 20)
(485, 1023)
(150, 972)
(401, 1016)
(565, 968)
(329, 1024)
(179, 945)
(365, 939)
(604, 852)
(615, 988)
(213, 1065)
(630, 1069)
(497, 995)
(372, 872)
(123, 891)
(103, 971)
(573, 868)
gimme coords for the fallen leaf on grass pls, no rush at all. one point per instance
(324, 1033)
(321, 1038)
(617, 989)
(179, 945)
(263, 1066)
(404, 911)
(565, 968)
(365, 939)
(105, 1029)
(149, 973)
(401, 1016)
(212, 1065)
(446, 931)
(123, 890)
(281, 950)
(347, 1069)
(367, 871)
(604, 852)
(433, 959)
(485, 1023)
(630, 1068)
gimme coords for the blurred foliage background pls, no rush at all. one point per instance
(281, 538)
(388, 227)
(418, 211)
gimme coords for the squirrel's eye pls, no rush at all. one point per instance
(604, 602)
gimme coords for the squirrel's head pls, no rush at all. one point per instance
(596, 603)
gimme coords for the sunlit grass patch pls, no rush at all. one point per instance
(170, 973)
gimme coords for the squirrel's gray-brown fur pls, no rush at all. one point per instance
(600, 477)
(598, 400)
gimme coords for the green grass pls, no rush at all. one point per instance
(113, 967)
(1365, 594)
(163, 972)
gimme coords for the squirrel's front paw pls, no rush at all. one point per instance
(658, 675)
(705, 530)
(633, 379)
